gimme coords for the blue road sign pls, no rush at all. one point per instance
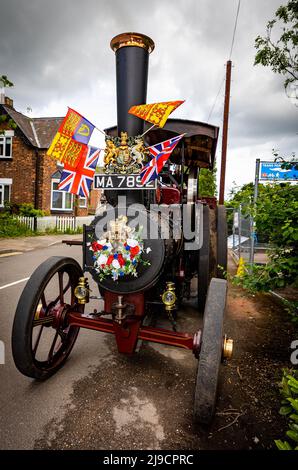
(272, 171)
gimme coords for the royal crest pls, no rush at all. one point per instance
(124, 155)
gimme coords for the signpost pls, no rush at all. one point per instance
(252, 222)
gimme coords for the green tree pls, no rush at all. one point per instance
(281, 54)
(276, 218)
(6, 83)
(207, 182)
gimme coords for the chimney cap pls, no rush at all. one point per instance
(132, 39)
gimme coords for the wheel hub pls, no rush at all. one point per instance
(227, 348)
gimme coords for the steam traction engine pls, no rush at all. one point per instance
(139, 271)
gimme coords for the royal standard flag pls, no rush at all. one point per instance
(72, 136)
(156, 113)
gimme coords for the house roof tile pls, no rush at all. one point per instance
(39, 131)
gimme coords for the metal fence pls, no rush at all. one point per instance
(243, 240)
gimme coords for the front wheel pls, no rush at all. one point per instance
(41, 341)
(211, 352)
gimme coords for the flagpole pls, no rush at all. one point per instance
(101, 131)
(149, 129)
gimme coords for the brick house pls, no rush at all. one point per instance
(27, 174)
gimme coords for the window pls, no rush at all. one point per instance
(6, 145)
(82, 202)
(60, 200)
(5, 185)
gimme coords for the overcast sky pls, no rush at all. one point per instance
(57, 54)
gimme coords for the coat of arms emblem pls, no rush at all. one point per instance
(124, 155)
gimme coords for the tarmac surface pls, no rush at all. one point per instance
(103, 400)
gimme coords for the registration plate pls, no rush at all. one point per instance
(107, 182)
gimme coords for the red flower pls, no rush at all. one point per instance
(121, 260)
(96, 246)
(134, 251)
(110, 259)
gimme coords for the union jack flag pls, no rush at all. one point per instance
(79, 180)
(160, 153)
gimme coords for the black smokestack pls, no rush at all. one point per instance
(132, 55)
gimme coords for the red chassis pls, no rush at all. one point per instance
(128, 331)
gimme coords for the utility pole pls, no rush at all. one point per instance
(225, 133)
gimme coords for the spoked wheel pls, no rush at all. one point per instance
(204, 261)
(41, 342)
(211, 352)
(222, 247)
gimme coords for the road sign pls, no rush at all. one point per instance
(273, 171)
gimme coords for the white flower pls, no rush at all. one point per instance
(132, 242)
(148, 249)
(102, 242)
(115, 264)
(108, 245)
(102, 259)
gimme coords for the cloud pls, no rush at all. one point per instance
(58, 55)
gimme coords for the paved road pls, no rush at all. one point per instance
(32, 414)
(27, 406)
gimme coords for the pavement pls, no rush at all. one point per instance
(23, 244)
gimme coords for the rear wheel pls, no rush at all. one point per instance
(211, 352)
(204, 261)
(41, 342)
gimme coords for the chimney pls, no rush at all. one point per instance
(7, 101)
(132, 56)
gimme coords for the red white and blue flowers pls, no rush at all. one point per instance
(119, 259)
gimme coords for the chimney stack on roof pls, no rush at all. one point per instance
(8, 101)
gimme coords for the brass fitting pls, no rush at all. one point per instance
(119, 309)
(82, 291)
(227, 348)
(169, 297)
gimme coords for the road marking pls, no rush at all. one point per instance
(14, 283)
(54, 243)
(11, 253)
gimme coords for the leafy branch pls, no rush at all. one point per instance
(281, 55)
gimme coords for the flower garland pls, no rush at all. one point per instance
(120, 261)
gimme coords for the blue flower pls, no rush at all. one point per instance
(134, 262)
(121, 273)
(105, 247)
(115, 255)
(127, 247)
